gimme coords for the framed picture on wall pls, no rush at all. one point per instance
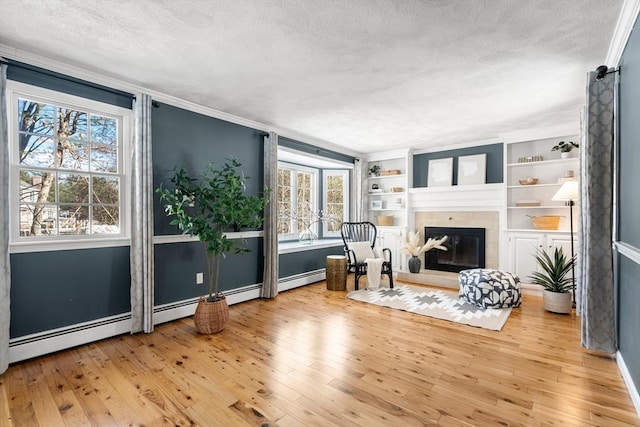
(440, 172)
(376, 204)
(472, 169)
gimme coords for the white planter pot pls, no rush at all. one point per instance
(565, 155)
(557, 302)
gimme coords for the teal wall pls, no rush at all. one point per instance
(627, 272)
(494, 165)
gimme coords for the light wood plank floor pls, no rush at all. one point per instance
(314, 358)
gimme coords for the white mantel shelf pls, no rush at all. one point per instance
(458, 197)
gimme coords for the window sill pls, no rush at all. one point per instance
(67, 245)
(291, 247)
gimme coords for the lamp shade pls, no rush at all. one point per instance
(569, 191)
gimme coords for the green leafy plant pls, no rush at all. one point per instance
(208, 206)
(374, 170)
(555, 271)
(565, 147)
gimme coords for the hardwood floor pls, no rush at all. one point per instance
(314, 358)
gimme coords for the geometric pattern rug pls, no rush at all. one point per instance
(434, 303)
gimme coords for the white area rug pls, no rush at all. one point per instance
(434, 303)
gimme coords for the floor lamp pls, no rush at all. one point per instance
(569, 193)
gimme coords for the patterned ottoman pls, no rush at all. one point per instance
(488, 288)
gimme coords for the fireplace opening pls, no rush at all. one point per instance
(465, 249)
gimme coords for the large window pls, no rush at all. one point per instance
(336, 200)
(67, 168)
(296, 195)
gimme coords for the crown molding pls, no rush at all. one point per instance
(542, 133)
(16, 54)
(624, 26)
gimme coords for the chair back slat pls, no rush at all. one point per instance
(358, 232)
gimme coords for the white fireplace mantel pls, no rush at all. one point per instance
(483, 197)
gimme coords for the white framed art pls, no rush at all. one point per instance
(440, 172)
(472, 169)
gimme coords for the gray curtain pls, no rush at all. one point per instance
(142, 219)
(596, 296)
(5, 273)
(270, 274)
(359, 176)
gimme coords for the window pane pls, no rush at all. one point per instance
(72, 124)
(34, 117)
(104, 130)
(106, 220)
(37, 186)
(74, 219)
(37, 219)
(105, 190)
(104, 158)
(73, 188)
(36, 151)
(75, 155)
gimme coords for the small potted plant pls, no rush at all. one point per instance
(374, 170)
(565, 148)
(411, 246)
(554, 279)
(208, 206)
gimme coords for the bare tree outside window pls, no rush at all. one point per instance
(68, 161)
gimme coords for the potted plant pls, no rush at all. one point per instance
(565, 148)
(554, 279)
(374, 170)
(208, 206)
(411, 246)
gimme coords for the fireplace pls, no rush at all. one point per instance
(465, 249)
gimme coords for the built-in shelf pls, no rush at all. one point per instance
(536, 207)
(543, 162)
(533, 230)
(389, 193)
(401, 175)
(529, 187)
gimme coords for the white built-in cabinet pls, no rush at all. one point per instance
(523, 246)
(534, 159)
(387, 195)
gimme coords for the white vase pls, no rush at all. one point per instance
(564, 155)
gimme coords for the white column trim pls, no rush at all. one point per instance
(626, 21)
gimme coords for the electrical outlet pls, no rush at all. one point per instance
(199, 278)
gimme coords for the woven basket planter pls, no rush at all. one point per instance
(211, 317)
(557, 302)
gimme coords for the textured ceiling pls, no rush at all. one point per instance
(368, 75)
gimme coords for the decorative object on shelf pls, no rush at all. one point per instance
(375, 187)
(440, 172)
(530, 159)
(568, 174)
(411, 246)
(397, 189)
(376, 204)
(207, 207)
(565, 148)
(545, 222)
(307, 221)
(569, 193)
(525, 203)
(528, 181)
(390, 172)
(472, 169)
(374, 170)
(554, 279)
(384, 220)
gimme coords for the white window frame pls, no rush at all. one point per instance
(18, 244)
(326, 173)
(314, 194)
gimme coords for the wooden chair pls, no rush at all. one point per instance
(353, 232)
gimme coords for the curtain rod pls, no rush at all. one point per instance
(64, 77)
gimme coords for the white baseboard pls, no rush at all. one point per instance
(529, 289)
(631, 387)
(38, 344)
(33, 345)
(298, 280)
